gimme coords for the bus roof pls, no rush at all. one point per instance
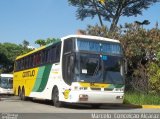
(91, 37)
(21, 56)
(6, 75)
(70, 36)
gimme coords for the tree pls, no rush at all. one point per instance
(52, 40)
(140, 47)
(25, 43)
(102, 31)
(110, 10)
(40, 42)
(8, 54)
(43, 42)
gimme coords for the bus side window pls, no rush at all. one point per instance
(66, 63)
(42, 57)
(25, 62)
(31, 61)
(16, 65)
(53, 54)
(46, 56)
(19, 64)
(58, 52)
(22, 65)
(38, 59)
(34, 60)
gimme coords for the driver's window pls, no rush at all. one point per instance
(67, 62)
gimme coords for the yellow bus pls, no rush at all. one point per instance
(77, 69)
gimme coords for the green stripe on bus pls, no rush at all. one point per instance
(45, 77)
(119, 85)
(111, 86)
(39, 78)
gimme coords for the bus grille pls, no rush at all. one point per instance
(108, 89)
(95, 88)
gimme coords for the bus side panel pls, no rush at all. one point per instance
(51, 77)
(26, 79)
(40, 89)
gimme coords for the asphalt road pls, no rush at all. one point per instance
(13, 107)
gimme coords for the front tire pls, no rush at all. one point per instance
(55, 98)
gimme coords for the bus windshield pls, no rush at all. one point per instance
(90, 68)
(99, 62)
(6, 82)
(111, 48)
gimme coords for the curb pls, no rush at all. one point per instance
(151, 106)
(142, 106)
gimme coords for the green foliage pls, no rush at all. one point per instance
(102, 31)
(97, 30)
(110, 10)
(8, 53)
(140, 46)
(141, 99)
(43, 42)
(40, 42)
(25, 43)
(154, 77)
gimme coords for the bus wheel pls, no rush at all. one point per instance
(19, 92)
(55, 98)
(23, 95)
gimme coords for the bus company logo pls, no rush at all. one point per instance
(28, 73)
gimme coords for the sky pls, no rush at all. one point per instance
(40, 19)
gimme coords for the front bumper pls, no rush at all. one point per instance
(6, 91)
(95, 97)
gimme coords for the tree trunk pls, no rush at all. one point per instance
(99, 16)
(117, 15)
(114, 23)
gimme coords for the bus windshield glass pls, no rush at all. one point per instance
(99, 62)
(89, 69)
(99, 46)
(6, 82)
